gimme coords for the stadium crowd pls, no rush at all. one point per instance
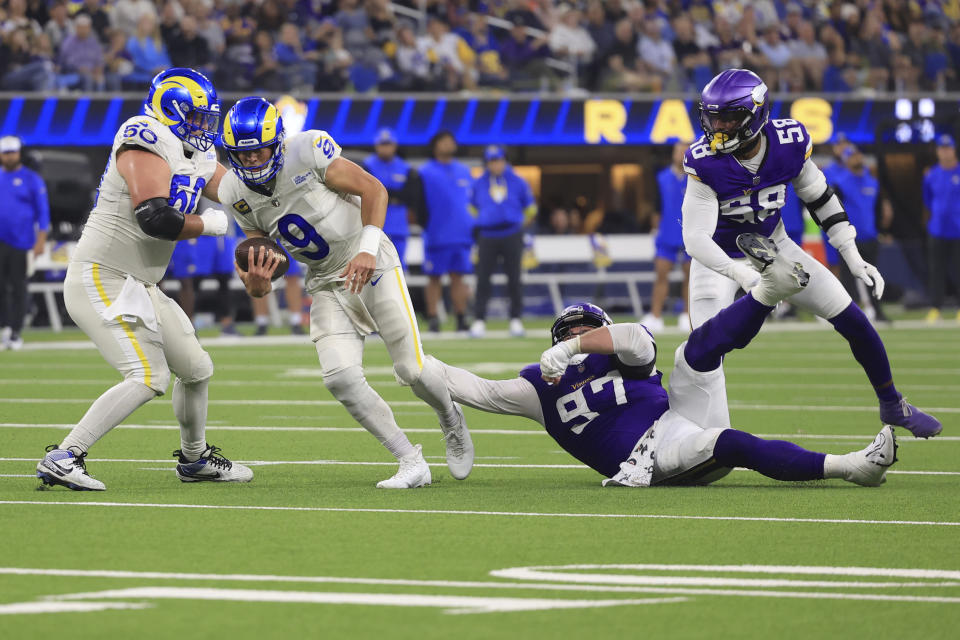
(469, 45)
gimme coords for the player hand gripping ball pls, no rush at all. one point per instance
(259, 262)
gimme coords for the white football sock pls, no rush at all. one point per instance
(836, 466)
(106, 412)
(350, 387)
(399, 445)
(295, 319)
(262, 321)
(431, 388)
(190, 408)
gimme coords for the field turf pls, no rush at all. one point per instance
(529, 546)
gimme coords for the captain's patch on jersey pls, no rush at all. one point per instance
(242, 207)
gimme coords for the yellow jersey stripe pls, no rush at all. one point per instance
(410, 316)
(144, 362)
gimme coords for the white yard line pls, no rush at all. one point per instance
(510, 514)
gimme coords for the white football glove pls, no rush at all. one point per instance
(554, 361)
(215, 222)
(745, 275)
(862, 269)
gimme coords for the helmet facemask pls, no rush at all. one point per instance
(727, 129)
(578, 315)
(200, 127)
(259, 174)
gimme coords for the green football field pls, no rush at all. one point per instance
(529, 545)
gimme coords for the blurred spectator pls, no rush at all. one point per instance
(599, 29)
(298, 63)
(59, 25)
(656, 53)
(874, 52)
(489, 67)
(809, 55)
(568, 38)
(413, 68)
(268, 75)
(524, 58)
(623, 71)
(503, 204)
(147, 51)
(99, 17)
(187, 47)
(519, 11)
(335, 72)
(402, 186)
(269, 17)
(28, 66)
(449, 53)
(17, 19)
(382, 22)
(125, 15)
(82, 56)
(118, 60)
(447, 227)
(239, 61)
(941, 196)
(693, 60)
(778, 55)
(24, 222)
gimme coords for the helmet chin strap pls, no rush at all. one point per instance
(749, 145)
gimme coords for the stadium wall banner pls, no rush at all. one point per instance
(87, 121)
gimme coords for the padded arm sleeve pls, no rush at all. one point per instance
(515, 397)
(635, 348)
(821, 200)
(158, 219)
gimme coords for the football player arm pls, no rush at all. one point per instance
(516, 397)
(630, 342)
(827, 211)
(212, 188)
(346, 177)
(700, 212)
(148, 178)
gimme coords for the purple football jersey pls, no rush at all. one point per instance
(595, 413)
(750, 203)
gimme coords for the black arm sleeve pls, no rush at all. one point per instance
(158, 219)
(640, 371)
(410, 193)
(835, 213)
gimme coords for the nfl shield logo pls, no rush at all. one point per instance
(756, 180)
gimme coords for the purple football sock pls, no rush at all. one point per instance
(777, 459)
(733, 328)
(867, 348)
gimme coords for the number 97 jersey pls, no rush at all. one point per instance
(748, 202)
(316, 224)
(112, 237)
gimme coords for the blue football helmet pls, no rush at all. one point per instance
(578, 315)
(185, 101)
(254, 123)
(733, 109)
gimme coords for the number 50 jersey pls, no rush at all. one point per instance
(750, 202)
(112, 237)
(319, 226)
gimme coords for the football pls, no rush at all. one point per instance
(243, 248)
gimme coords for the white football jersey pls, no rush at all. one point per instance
(112, 237)
(318, 225)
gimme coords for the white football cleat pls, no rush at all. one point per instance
(868, 467)
(64, 467)
(516, 328)
(211, 467)
(779, 278)
(683, 322)
(478, 329)
(459, 446)
(413, 472)
(653, 323)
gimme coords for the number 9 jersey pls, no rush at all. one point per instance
(317, 225)
(750, 202)
(112, 237)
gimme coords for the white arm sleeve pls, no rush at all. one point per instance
(633, 345)
(811, 185)
(700, 212)
(516, 397)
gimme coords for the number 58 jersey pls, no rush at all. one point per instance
(112, 237)
(318, 225)
(750, 202)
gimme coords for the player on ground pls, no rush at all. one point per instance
(737, 182)
(328, 213)
(598, 394)
(159, 165)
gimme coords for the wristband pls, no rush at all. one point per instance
(370, 240)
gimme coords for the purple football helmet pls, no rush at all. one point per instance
(580, 314)
(733, 109)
